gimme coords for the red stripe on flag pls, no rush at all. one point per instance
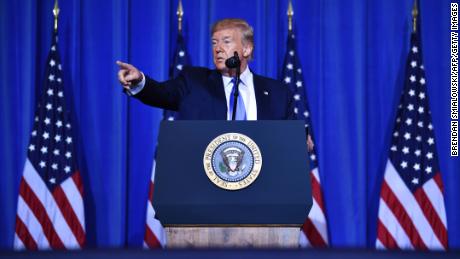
(78, 182)
(152, 185)
(316, 240)
(69, 215)
(385, 236)
(40, 213)
(438, 180)
(23, 233)
(432, 216)
(400, 213)
(150, 239)
(316, 192)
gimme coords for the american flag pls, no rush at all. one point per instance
(411, 210)
(50, 213)
(181, 59)
(314, 230)
(155, 236)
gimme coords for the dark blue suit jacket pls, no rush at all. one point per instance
(198, 94)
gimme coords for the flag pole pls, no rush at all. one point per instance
(180, 14)
(414, 16)
(290, 14)
(56, 14)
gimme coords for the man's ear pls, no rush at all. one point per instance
(247, 51)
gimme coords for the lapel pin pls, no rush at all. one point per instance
(265, 92)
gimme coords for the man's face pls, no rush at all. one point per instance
(224, 43)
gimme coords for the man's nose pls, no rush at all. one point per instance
(219, 47)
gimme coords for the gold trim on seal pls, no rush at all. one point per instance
(235, 137)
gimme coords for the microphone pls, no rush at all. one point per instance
(233, 62)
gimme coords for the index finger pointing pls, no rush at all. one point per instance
(123, 65)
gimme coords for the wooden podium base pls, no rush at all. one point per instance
(218, 237)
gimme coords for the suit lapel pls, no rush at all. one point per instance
(262, 98)
(217, 90)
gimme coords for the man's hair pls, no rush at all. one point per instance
(242, 25)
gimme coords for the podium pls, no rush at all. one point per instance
(194, 168)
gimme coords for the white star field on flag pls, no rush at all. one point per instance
(48, 132)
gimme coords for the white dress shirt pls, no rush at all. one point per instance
(246, 89)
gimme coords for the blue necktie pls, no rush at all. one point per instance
(240, 109)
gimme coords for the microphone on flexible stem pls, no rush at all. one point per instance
(231, 63)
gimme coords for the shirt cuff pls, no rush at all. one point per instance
(137, 88)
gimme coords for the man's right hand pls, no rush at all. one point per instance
(128, 75)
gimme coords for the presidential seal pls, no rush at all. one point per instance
(232, 161)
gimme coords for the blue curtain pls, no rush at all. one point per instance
(352, 52)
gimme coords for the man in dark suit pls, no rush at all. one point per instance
(204, 94)
(200, 93)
